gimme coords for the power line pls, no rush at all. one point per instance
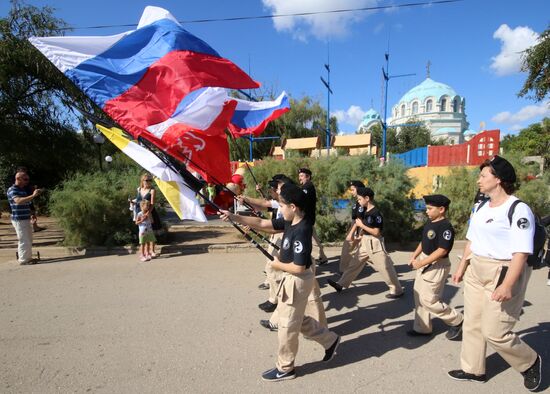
(242, 18)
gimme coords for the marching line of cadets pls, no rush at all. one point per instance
(493, 267)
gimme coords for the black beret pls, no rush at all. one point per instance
(357, 184)
(306, 171)
(503, 169)
(437, 200)
(365, 192)
(292, 194)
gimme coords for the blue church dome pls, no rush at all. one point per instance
(370, 116)
(428, 88)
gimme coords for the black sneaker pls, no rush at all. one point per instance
(322, 261)
(274, 375)
(336, 285)
(331, 351)
(270, 326)
(454, 332)
(268, 306)
(394, 296)
(459, 374)
(532, 376)
(413, 333)
(264, 286)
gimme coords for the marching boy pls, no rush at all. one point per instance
(432, 265)
(296, 284)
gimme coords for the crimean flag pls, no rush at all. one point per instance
(170, 183)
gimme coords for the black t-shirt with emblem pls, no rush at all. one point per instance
(373, 218)
(311, 194)
(296, 244)
(440, 234)
(357, 211)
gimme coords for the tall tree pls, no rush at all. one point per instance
(534, 140)
(38, 130)
(536, 62)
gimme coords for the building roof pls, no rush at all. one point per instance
(302, 143)
(352, 141)
(428, 88)
(445, 130)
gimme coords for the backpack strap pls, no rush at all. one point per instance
(511, 210)
(482, 203)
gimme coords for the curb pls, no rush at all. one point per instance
(60, 251)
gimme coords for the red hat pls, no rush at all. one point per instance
(238, 179)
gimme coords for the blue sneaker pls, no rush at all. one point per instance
(274, 375)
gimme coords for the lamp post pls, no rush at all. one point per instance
(99, 140)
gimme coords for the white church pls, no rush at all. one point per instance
(437, 105)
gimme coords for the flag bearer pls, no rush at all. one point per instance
(297, 283)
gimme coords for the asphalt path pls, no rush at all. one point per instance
(189, 323)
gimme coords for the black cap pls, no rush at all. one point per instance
(503, 169)
(306, 171)
(273, 184)
(437, 200)
(292, 194)
(365, 192)
(357, 184)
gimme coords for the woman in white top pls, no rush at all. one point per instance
(495, 279)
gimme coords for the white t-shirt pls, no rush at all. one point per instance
(275, 205)
(492, 236)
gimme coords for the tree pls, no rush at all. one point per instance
(391, 137)
(536, 62)
(412, 135)
(38, 130)
(306, 118)
(534, 140)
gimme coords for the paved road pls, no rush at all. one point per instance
(189, 323)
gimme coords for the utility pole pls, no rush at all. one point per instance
(387, 77)
(329, 92)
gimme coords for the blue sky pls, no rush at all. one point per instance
(472, 45)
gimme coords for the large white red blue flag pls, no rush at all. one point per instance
(164, 84)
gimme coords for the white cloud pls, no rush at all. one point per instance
(514, 42)
(379, 27)
(526, 113)
(352, 116)
(321, 26)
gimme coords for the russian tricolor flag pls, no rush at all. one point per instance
(158, 76)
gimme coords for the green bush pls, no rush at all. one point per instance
(331, 176)
(92, 209)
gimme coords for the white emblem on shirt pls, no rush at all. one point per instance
(523, 223)
(379, 219)
(369, 219)
(431, 234)
(360, 209)
(286, 244)
(298, 247)
(447, 235)
(305, 191)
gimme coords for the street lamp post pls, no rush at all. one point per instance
(99, 140)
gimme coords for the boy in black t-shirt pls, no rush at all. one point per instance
(431, 261)
(371, 249)
(351, 243)
(297, 282)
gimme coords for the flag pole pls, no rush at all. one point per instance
(186, 175)
(254, 178)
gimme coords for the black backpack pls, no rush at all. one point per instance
(540, 246)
